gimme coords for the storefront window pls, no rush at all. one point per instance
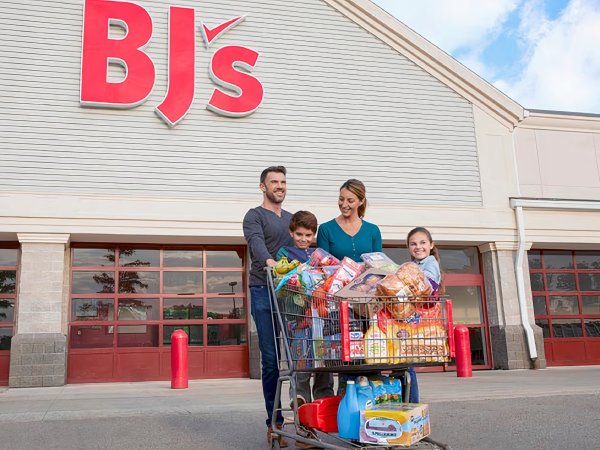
(558, 260)
(8, 298)
(466, 303)
(464, 260)
(158, 291)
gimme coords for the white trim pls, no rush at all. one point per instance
(43, 238)
(582, 205)
(561, 121)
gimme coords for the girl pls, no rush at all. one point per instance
(424, 253)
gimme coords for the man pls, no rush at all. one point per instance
(266, 229)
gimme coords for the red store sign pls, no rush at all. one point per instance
(240, 93)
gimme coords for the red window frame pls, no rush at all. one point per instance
(13, 296)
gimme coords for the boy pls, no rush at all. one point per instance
(303, 228)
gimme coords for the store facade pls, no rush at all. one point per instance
(122, 196)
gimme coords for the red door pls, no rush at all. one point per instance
(8, 299)
(566, 299)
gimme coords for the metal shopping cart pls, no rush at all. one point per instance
(326, 333)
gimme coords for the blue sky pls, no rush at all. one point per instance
(545, 54)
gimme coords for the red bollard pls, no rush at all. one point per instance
(464, 369)
(179, 360)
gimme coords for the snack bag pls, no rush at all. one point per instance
(379, 260)
(393, 387)
(321, 258)
(378, 388)
(347, 272)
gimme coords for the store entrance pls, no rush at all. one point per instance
(566, 300)
(127, 301)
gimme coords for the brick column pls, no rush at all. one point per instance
(38, 349)
(508, 339)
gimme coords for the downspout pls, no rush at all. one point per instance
(521, 283)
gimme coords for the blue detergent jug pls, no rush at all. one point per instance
(348, 417)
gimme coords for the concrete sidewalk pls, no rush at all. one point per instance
(81, 401)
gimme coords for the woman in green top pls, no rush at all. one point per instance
(348, 234)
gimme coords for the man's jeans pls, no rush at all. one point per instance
(263, 318)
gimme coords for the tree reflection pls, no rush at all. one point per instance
(129, 282)
(4, 304)
(8, 280)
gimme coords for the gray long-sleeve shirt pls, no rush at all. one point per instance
(265, 233)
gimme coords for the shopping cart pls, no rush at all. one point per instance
(326, 333)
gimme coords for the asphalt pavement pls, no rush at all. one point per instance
(555, 408)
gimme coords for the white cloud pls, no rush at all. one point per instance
(452, 25)
(563, 59)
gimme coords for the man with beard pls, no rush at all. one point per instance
(266, 229)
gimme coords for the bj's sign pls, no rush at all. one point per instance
(237, 94)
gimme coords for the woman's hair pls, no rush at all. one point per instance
(304, 219)
(357, 188)
(434, 252)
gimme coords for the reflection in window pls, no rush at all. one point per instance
(225, 308)
(194, 333)
(8, 256)
(5, 338)
(223, 258)
(537, 281)
(398, 255)
(478, 350)
(92, 309)
(93, 257)
(139, 258)
(133, 282)
(543, 324)
(539, 306)
(590, 304)
(560, 281)
(592, 327)
(461, 260)
(534, 258)
(137, 336)
(8, 281)
(138, 309)
(564, 305)
(93, 283)
(182, 258)
(558, 260)
(466, 303)
(182, 282)
(589, 281)
(182, 308)
(588, 260)
(7, 310)
(91, 336)
(224, 282)
(566, 328)
(226, 334)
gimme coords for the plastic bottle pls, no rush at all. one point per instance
(364, 393)
(376, 346)
(348, 417)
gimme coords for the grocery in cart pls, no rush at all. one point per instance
(369, 322)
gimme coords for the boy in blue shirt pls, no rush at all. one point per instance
(303, 227)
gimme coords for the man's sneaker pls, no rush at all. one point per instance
(300, 401)
(282, 441)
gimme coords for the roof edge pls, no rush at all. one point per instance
(561, 121)
(431, 59)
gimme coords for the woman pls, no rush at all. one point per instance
(350, 235)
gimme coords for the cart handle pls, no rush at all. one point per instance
(345, 329)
